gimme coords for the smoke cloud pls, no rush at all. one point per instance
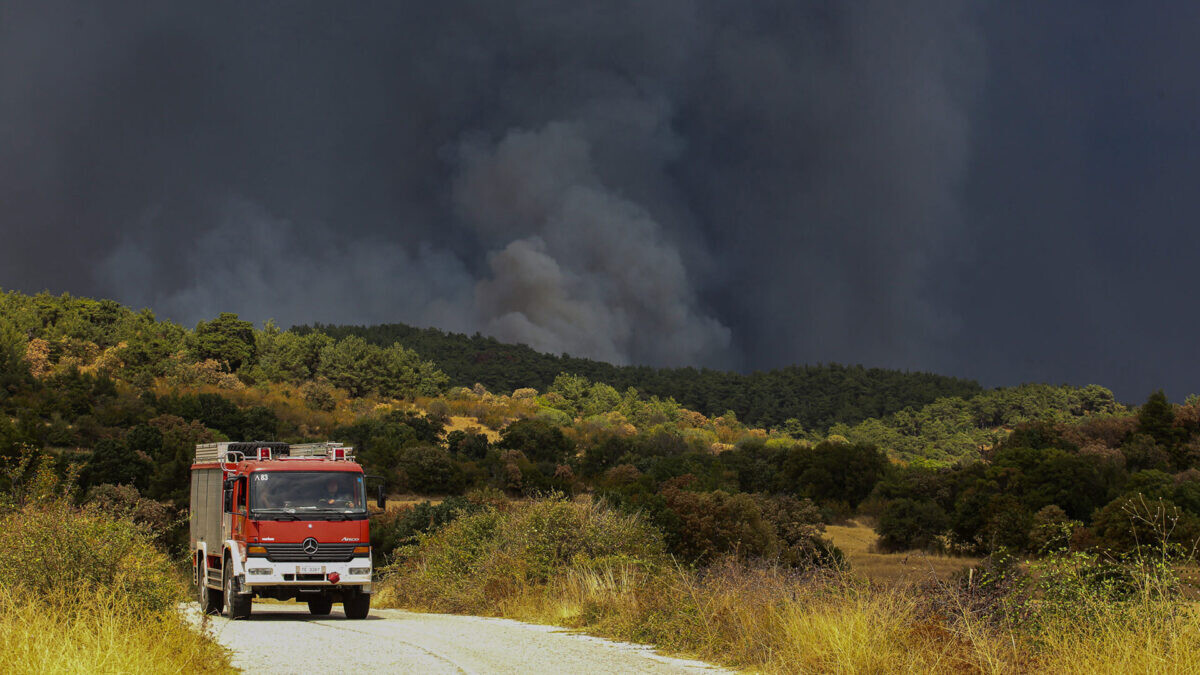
(685, 182)
(589, 272)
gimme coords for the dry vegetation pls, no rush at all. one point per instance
(94, 632)
(83, 590)
(578, 565)
(858, 542)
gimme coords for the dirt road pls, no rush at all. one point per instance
(283, 638)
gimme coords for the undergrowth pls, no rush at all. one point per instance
(98, 631)
(84, 591)
(580, 565)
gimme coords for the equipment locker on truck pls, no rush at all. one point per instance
(280, 521)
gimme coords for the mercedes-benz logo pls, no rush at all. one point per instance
(309, 546)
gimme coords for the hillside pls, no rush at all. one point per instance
(815, 396)
(124, 396)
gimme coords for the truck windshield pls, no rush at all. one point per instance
(292, 491)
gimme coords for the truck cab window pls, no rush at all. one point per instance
(241, 496)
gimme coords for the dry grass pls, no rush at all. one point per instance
(1151, 639)
(405, 501)
(472, 425)
(858, 543)
(896, 618)
(765, 620)
(97, 633)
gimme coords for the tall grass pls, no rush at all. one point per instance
(84, 591)
(92, 631)
(775, 619)
(1150, 637)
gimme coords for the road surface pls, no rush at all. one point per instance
(283, 638)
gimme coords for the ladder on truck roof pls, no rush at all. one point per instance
(232, 451)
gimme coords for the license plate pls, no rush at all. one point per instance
(309, 569)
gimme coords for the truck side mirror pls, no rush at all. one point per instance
(380, 498)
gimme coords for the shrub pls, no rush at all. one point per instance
(907, 524)
(700, 527)
(537, 440)
(51, 547)
(400, 527)
(480, 559)
(428, 469)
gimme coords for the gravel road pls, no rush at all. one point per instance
(283, 638)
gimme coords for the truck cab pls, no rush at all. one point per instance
(280, 521)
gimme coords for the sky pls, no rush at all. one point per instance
(1002, 191)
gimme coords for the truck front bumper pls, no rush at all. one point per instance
(261, 573)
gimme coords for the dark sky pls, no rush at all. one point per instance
(1004, 191)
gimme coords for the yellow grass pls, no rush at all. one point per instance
(97, 633)
(759, 620)
(472, 425)
(858, 543)
(772, 619)
(762, 621)
(1152, 639)
(407, 500)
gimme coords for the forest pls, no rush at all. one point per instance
(125, 396)
(816, 396)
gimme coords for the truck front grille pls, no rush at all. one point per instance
(324, 553)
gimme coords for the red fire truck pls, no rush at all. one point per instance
(280, 521)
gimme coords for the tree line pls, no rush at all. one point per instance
(815, 396)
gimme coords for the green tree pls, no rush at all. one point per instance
(115, 464)
(537, 440)
(14, 370)
(907, 524)
(1156, 418)
(226, 339)
(346, 364)
(428, 469)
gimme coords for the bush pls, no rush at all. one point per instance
(537, 440)
(49, 546)
(906, 524)
(400, 527)
(53, 547)
(428, 469)
(480, 559)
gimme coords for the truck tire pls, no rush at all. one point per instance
(237, 606)
(320, 606)
(356, 604)
(210, 600)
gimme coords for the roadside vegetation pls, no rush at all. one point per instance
(580, 564)
(86, 589)
(642, 507)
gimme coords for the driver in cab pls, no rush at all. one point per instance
(337, 493)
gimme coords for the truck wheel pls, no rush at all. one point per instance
(320, 606)
(356, 604)
(236, 606)
(210, 600)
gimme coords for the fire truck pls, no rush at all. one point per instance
(273, 520)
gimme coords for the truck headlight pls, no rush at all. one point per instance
(360, 570)
(259, 570)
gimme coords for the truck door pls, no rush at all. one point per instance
(227, 508)
(239, 508)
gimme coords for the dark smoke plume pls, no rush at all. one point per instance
(674, 182)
